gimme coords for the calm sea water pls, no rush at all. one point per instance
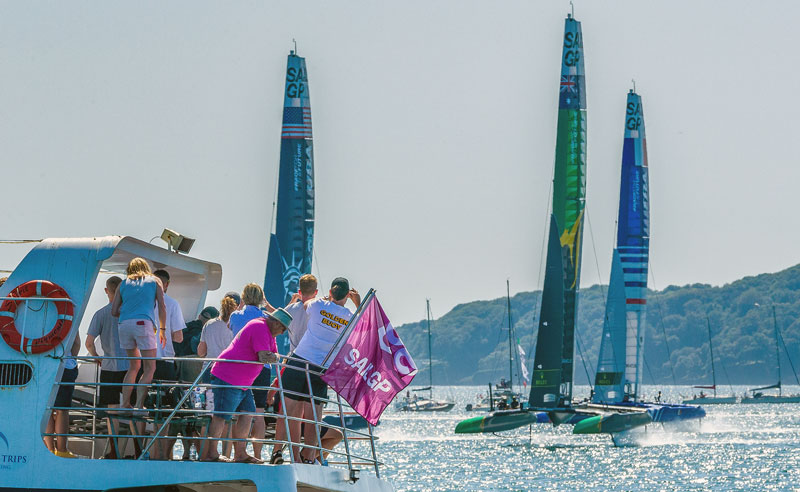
(736, 447)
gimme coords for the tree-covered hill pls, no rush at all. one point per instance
(470, 343)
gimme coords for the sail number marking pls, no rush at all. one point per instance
(573, 44)
(296, 80)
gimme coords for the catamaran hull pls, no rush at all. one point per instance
(498, 422)
(433, 408)
(772, 399)
(611, 424)
(659, 412)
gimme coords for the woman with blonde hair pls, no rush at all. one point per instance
(134, 303)
(254, 300)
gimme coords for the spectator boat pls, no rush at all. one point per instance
(43, 304)
(416, 404)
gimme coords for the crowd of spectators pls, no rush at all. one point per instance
(143, 333)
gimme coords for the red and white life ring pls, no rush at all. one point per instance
(46, 343)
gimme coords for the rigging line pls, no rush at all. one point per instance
(661, 322)
(599, 282)
(726, 374)
(537, 304)
(649, 372)
(443, 366)
(316, 263)
(583, 359)
(275, 195)
(496, 344)
(786, 349)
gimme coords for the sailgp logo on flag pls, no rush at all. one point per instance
(372, 365)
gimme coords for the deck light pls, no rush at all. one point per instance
(176, 241)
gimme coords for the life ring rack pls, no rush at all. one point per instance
(36, 290)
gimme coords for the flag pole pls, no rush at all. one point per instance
(350, 324)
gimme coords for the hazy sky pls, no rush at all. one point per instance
(434, 134)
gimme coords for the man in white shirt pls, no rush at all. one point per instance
(327, 317)
(307, 292)
(165, 369)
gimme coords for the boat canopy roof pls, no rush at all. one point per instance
(74, 263)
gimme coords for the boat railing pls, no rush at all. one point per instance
(359, 446)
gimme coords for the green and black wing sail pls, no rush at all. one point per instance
(569, 200)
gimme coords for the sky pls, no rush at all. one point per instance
(434, 134)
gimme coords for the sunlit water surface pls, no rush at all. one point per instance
(736, 447)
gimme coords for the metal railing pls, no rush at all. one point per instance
(89, 417)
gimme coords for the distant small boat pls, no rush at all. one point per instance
(503, 397)
(756, 394)
(704, 399)
(416, 404)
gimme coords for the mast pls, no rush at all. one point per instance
(618, 375)
(291, 245)
(510, 342)
(551, 382)
(430, 352)
(711, 349)
(777, 348)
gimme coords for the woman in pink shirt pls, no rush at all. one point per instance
(256, 343)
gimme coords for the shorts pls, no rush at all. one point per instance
(230, 398)
(110, 395)
(297, 381)
(260, 395)
(323, 429)
(64, 395)
(137, 333)
(165, 371)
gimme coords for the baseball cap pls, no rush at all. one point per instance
(235, 296)
(209, 312)
(339, 288)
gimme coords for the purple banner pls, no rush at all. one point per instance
(372, 366)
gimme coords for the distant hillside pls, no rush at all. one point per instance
(470, 343)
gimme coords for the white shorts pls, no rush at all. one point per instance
(137, 333)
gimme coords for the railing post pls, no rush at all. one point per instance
(174, 411)
(344, 433)
(285, 415)
(94, 404)
(314, 413)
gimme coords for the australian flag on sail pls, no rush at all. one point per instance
(571, 92)
(296, 122)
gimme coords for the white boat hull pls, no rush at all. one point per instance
(712, 400)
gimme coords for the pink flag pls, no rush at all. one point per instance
(372, 365)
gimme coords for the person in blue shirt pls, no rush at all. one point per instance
(134, 303)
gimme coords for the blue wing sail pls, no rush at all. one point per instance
(618, 374)
(294, 221)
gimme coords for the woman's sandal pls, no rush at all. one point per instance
(277, 458)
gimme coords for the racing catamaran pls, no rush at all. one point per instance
(618, 378)
(291, 245)
(551, 381)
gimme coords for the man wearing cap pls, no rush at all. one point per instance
(255, 342)
(191, 334)
(327, 317)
